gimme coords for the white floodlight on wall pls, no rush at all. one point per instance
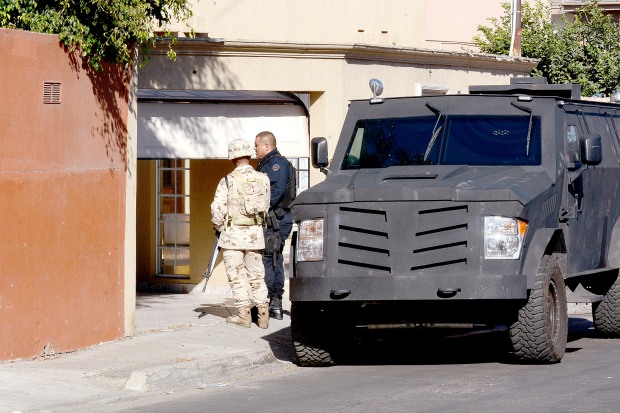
(376, 86)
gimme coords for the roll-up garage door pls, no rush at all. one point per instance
(193, 124)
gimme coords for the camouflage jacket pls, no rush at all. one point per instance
(226, 203)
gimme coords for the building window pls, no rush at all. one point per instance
(173, 218)
(303, 173)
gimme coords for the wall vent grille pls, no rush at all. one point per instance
(51, 92)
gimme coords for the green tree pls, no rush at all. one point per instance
(583, 50)
(102, 30)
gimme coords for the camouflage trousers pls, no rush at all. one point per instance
(246, 274)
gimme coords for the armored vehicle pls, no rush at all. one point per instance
(481, 210)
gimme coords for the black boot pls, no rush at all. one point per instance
(275, 307)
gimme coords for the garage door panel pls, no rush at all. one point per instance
(169, 130)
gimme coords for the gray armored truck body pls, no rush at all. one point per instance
(474, 211)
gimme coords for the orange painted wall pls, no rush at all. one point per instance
(62, 186)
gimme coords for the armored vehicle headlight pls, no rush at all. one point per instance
(503, 237)
(310, 240)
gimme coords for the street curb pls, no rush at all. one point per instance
(193, 374)
(172, 378)
(580, 309)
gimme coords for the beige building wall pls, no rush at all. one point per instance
(452, 24)
(436, 24)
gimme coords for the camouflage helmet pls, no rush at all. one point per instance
(239, 149)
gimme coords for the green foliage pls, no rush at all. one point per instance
(102, 30)
(583, 50)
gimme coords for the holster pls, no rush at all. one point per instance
(273, 244)
(279, 213)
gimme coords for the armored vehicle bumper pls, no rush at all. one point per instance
(407, 288)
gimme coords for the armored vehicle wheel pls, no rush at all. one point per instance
(540, 332)
(310, 328)
(606, 313)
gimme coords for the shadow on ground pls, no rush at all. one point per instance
(409, 347)
(280, 341)
(281, 344)
(222, 310)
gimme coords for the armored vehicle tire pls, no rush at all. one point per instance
(606, 313)
(539, 335)
(311, 335)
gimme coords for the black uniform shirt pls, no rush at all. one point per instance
(276, 167)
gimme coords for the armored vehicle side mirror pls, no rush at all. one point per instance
(592, 151)
(318, 150)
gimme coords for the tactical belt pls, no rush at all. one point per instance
(245, 220)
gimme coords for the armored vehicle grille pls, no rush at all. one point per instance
(404, 238)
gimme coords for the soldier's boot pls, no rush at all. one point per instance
(263, 316)
(244, 319)
(275, 307)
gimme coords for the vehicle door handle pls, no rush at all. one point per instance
(339, 294)
(447, 292)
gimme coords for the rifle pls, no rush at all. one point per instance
(214, 254)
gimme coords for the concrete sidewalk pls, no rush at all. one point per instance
(182, 342)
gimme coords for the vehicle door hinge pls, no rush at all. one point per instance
(571, 212)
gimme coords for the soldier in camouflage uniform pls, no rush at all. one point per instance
(238, 210)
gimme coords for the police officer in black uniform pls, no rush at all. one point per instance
(280, 220)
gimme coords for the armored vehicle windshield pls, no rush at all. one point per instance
(479, 140)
